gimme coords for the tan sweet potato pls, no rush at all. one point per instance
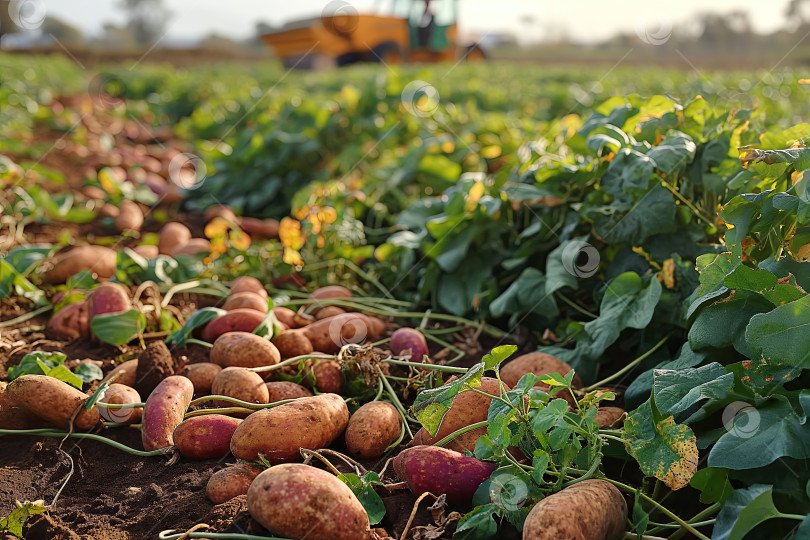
(127, 372)
(248, 300)
(172, 235)
(260, 228)
(69, 323)
(324, 376)
(14, 417)
(539, 364)
(236, 320)
(589, 510)
(205, 437)
(98, 260)
(243, 349)
(442, 471)
(281, 390)
(285, 316)
(300, 501)
(219, 210)
(330, 334)
(147, 251)
(292, 343)
(120, 394)
(330, 291)
(327, 311)
(279, 433)
(372, 429)
(164, 411)
(609, 416)
(468, 408)
(248, 284)
(52, 400)
(193, 248)
(130, 217)
(239, 383)
(230, 482)
(201, 375)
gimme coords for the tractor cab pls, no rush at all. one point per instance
(415, 31)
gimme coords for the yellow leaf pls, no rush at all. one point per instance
(239, 239)
(289, 232)
(668, 273)
(491, 152)
(292, 257)
(448, 147)
(476, 192)
(216, 227)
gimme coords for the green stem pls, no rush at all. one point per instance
(293, 360)
(676, 526)
(120, 405)
(798, 517)
(663, 509)
(246, 404)
(395, 401)
(26, 316)
(460, 432)
(170, 534)
(99, 438)
(576, 306)
(192, 341)
(419, 365)
(459, 353)
(629, 366)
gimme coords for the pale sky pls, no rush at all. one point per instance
(582, 20)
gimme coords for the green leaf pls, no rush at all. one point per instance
(31, 364)
(88, 372)
(63, 374)
(81, 280)
(677, 390)
(13, 523)
(744, 510)
(759, 436)
(640, 389)
(723, 323)
(118, 328)
(478, 524)
(675, 152)
(527, 294)
(364, 491)
(662, 448)
(197, 320)
(713, 484)
(497, 355)
(431, 405)
(654, 213)
(782, 335)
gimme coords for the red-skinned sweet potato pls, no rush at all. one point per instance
(237, 320)
(15, 417)
(192, 248)
(285, 316)
(126, 372)
(330, 291)
(324, 376)
(609, 416)
(442, 471)
(69, 323)
(408, 339)
(588, 510)
(230, 482)
(300, 501)
(108, 298)
(279, 433)
(164, 411)
(205, 437)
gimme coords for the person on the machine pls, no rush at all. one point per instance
(425, 26)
